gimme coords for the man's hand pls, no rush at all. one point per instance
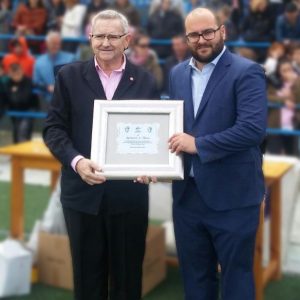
(146, 179)
(86, 169)
(50, 88)
(182, 142)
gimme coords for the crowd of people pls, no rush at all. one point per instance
(275, 22)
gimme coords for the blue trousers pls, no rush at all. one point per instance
(204, 238)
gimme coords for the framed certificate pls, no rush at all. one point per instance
(130, 138)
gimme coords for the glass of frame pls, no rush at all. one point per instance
(130, 138)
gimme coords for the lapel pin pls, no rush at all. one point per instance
(131, 78)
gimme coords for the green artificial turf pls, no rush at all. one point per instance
(36, 199)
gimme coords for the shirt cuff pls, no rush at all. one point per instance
(75, 161)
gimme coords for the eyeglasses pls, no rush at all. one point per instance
(112, 38)
(143, 45)
(209, 34)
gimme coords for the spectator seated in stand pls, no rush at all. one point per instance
(84, 51)
(128, 10)
(55, 11)
(180, 52)
(72, 23)
(295, 56)
(140, 54)
(224, 14)
(288, 24)
(3, 81)
(43, 76)
(275, 52)
(92, 9)
(176, 5)
(19, 96)
(30, 19)
(18, 53)
(164, 23)
(5, 21)
(287, 93)
(259, 24)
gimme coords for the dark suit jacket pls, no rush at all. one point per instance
(229, 127)
(68, 130)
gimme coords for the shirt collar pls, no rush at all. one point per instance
(121, 69)
(213, 62)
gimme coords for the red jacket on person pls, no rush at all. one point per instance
(24, 58)
(33, 19)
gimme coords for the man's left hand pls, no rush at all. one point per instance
(146, 179)
(182, 142)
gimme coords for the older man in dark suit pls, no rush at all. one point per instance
(106, 220)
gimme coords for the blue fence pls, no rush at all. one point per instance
(83, 39)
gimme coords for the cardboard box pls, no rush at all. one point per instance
(55, 267)
(15, 269)
(154, 266)
(54, 260)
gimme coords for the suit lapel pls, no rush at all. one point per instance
(215, 78)
(93, 79)
(127, 80)
(188, 97)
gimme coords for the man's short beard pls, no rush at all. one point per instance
(207, 59)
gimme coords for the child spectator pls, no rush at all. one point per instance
(19, 97)
(285, 117)
(275, 52)
(18, 53)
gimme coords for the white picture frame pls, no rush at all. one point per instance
(144, 150)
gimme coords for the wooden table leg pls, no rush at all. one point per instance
(17, 199)
(275, 229)
(54, 178)
(258, 257)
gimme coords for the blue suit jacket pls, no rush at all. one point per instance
(229, 127)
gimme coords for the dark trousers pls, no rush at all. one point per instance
(107, 253)
(204, 238)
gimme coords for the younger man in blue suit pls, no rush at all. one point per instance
(216, 207)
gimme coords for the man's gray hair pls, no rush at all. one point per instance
(110, 14)
(52, 34)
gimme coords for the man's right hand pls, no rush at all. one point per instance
(86, 169)
(50, 88)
